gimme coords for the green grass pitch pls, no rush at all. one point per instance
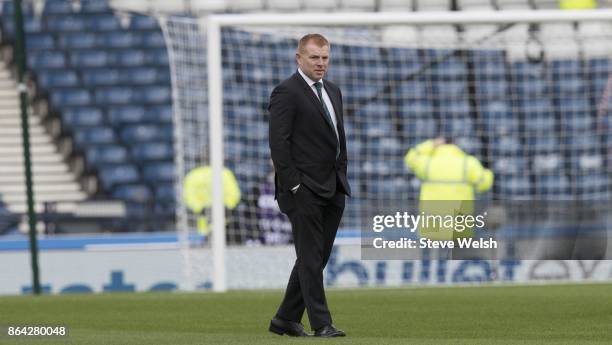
(553, 314)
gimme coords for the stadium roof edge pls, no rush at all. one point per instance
(420, 18)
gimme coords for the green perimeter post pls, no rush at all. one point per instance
(20, 58)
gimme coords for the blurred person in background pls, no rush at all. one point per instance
(197, 194)
(450, 179)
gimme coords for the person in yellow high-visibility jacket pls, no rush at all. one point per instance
(197, 193)
(449, 179)
(577, 4)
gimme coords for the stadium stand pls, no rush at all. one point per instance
(108, 85)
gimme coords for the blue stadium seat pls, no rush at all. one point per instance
(119, 115)
(57, 7)
(411, 90)
(593, 186)
(141, 22)
(139, 75)
(531, 88)
(64, 23)
(379, 168)
(232, 36)
(423, 127)
(130, 57)
(505, 145)
(547, 163)
(454, 108)
(57, 78)
(576, 114)
(32, 25)
(234, 93)
(104, 22)
(133, 192)
(530, 79)
(579, 142)
(100, 77)
(495, 109)
(497, 119)
(373, 111)
(489, 62)
(554, 186)
(396, 187)
(358, 92)
(155, 95)
(241, 113)
(569, 85)
(362, 53)
(159, 172)
(586, 162)
(458, 126)
(112, 175)
(160, 113)
(513, 186)
(339, 73)
(119, 39)
(145, 132)
(115, 95)
(70, 97)
(90, 58)
(82, 116)
(256, 130)
(416, 109)
(538, 114)
(598, 71)
(46, 59)
(99, 156)
(388, 146)
(81, 40)
(568, 77)
(152, 39)
(510, 165)
(95, 6)
(404, 62)
(447, 68)
(470, 145)
(451, 89)
(492, 89)
(94, 136)
(40, 42)
(165, 192)
(157, 57)
(542, 143)
(375, 73)
(8, 8)
(154, 151)
(380, 128)
(233, 149)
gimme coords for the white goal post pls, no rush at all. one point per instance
(214, 25)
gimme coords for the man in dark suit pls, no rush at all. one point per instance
(308, 148)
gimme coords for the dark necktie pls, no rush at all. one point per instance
(328, 117)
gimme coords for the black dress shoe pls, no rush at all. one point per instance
(290, 328)
(328, 332)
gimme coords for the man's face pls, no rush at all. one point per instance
(313, 60)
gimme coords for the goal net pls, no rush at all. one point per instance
(528, 97)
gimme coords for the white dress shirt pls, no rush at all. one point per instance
(326, 98)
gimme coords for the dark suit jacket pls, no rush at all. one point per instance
(302, 143)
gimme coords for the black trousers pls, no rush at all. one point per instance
(314, 223)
